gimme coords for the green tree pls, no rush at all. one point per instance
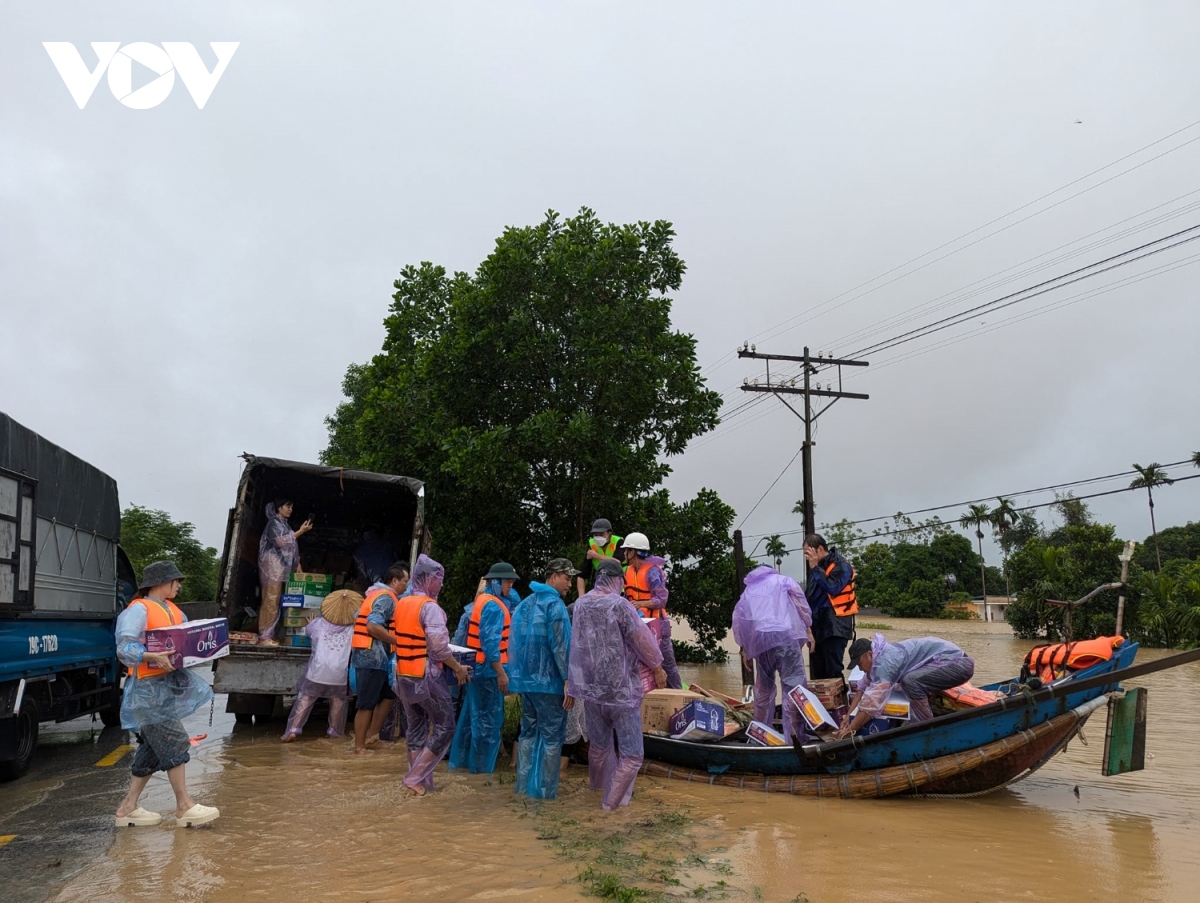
(977, 515)
(1181, 542)
(1004, 517)
(543, 390)
(776, 550)
(150, 535)
(1148, 477)
(849, 539)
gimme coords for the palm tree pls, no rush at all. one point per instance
(1148, 477)
(1003, 517)
(1196, 459)
(776, 549)
(978, 515)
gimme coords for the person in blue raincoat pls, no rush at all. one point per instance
(485, 627)
(539, 646)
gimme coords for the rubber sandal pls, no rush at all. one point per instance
(197, 815)
(138, 818)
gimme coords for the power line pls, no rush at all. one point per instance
(986, 498)
(774, 331)
(772, 486)
(1076, 498)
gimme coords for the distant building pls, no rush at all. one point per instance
(991, 608)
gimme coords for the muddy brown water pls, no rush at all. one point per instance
(310, 821)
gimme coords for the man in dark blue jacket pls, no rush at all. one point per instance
(830, 593)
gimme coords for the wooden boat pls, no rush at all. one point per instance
(964, 753)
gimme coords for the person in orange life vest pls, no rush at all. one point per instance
(485, 628)
(156, 699)
(829, 574)
(603, 546)
(278, 557)
(372, 644)
(646, 588)
(422, 650)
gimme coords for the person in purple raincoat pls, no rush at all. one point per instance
(609, 643)
(771, 622)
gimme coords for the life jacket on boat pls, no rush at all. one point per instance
(411, 651)
(966, 696)
(637, 588)
(158, 614)
(473, 639)
(844, 603)
(1051, 661)
(362, 639)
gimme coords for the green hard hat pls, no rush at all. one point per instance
(501, 570)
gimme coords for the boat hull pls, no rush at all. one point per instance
(911, 744)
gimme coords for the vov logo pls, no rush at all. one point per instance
(118, 60)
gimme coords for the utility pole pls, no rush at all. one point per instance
(811, 366)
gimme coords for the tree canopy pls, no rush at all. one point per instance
(149, 535)
(543, 390)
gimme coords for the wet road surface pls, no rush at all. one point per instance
(311, 821)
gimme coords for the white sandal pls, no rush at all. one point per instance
(197, 815)
(138, 818)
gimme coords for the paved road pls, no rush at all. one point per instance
(59, 816)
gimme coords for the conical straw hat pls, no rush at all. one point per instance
(341, 607)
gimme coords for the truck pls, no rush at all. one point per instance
(345, 506)
(64, 578)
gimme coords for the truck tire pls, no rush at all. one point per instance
(111, 715)
(27, 736)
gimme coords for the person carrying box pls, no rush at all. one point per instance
(156, 699)
(422, 650)
(325, 677)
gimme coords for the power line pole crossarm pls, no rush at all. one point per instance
(811, 366)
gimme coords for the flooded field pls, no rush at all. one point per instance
(310, 821)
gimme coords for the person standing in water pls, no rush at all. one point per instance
(156, 699)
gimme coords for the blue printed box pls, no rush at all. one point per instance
(698, 720)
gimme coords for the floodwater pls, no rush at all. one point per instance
(310, 821)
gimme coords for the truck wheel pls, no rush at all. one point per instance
(111, 716)
(27, 735)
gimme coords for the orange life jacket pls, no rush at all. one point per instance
(410, 636)
(966, 696)
(1051, 661)
(637, 589)
(158, 614)
(362, 639)
(844, 603)
(473, 640)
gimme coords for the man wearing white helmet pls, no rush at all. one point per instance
(646, 588)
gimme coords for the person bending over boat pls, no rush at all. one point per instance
(608, 642)
(770, 622)
(918, 667)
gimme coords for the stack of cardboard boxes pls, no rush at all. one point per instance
(832, 693)
(301, 603)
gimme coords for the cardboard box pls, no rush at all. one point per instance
(309, 585)
(758, 734)
(192, 643)
(659, 705)
(812, 710)
(466, 658)
(297, 617)
(897, 706)
(296, 640)
(831, 691)
(298, 600)
(698, 720)
(856, 677)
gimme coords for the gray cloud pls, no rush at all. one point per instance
(180, 286)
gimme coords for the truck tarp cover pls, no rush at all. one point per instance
(69, 491)
(335, 472)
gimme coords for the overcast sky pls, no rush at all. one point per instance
(182, 285)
